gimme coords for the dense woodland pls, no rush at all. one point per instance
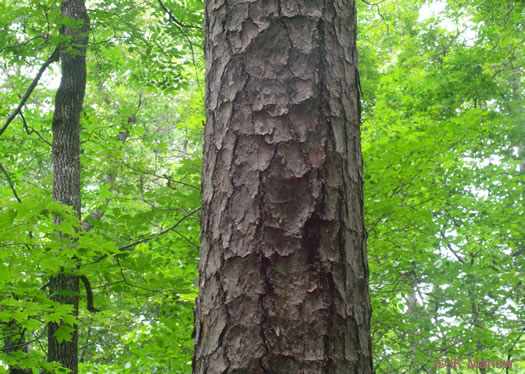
(443, 146)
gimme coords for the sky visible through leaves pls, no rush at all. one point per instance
(442, 138)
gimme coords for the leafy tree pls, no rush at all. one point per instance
(128, 140)
(442, 92)
(440, 147)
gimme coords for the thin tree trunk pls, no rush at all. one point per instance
(283, 265)
(66, 163)
(14, 341)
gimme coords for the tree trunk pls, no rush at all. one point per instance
(14, 341)
(283, 265)
(66, 162)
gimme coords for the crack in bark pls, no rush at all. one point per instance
(263, 263)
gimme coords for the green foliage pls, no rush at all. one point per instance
(442, 187)
(442, 143)
(141, 133)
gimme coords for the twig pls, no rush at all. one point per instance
(13, 46)
(376, 4)
(379, 12)
(129, 247)
(186, 238)
(131, 284)
(37, 337)
(29, 132)
(176, 21)
(181, 27)
(53, 58)
(168, 178)
(145, 240)
(449, 247)
(10, 183)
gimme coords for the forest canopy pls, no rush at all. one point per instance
(443, 146)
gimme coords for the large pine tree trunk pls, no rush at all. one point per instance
(283, 267)
(66, 162)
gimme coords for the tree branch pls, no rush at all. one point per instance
(89, 294)
(129, 247)
(131, 284)
(186, 238)
(10, 183)
(378, 12)
(175, 20)
(31, 130)
(53, 58)
(145, 240)
(369, 3)
(167, 177)
(181, 27)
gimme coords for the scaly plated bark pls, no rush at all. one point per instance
(283, 267)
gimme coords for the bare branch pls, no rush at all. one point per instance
(89, 294)
(379, 12)
(131, 284)
(22, 43)
(53, 58)
(175, 20)
(129, 247)
(145, 240)
(168, 178)
(186, 238)
(10, 183)
(368, 3)
(30, 130)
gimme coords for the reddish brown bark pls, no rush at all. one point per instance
(283, 271)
